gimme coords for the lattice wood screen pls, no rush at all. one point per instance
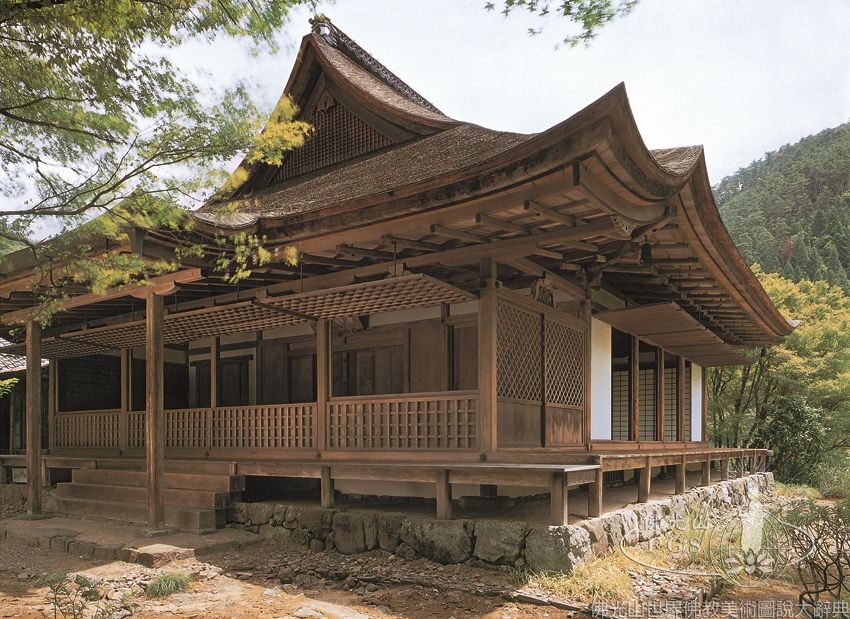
(518, 353)
(671, 403)
(620, 395)
(564, 356)
(647, 405)
(688, 403)
(338, 135)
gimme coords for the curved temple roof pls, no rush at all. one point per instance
(388, 178)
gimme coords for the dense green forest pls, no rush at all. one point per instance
(790, 210)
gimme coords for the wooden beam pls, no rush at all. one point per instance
(549, 213)
(488, 401)
(680, 398)
(154, 414)
(660, 403)
(681, 475)
(33, 413)
(160, 281)
(530, 267)
(398, 241)
(327, 488)
(444, 495)
(558, 497)
(363, 252)
(52, 401)
(547, 253)
(494, 223)
(452, 233)
(724, 469)
(124, 405)
(644, 481)
(324, 376)
(594, 495)
(634, 388)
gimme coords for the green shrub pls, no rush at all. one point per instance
(832, 478)
(167, 584)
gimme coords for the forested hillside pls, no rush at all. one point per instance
(790, 211)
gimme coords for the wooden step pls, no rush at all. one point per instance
(196, 499)
(114, 477)
(179, 517)
(196, 467)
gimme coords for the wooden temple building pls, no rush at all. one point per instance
(471, 311)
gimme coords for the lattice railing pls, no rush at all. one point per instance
(87, 429)
(272, 426)
(433, 421)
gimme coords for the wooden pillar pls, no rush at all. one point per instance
(215, 360)
(324, 376)
(444, 496)
(52, 402)
(558, 507)
(327, 487)
(680, 398)
(123, 425)
(634, 386)
(154, 417)
(753, 463)
(33, 412)
(741, 464)
(487, 388)
(659, 394)
(724, 469)
(594, 495)
(706, 472)
(644, 481)
(682, 475)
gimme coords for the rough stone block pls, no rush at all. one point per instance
(260, 513)
(238, 513)
(389, 525)
(157, 555)
(278, 534)
(447, 541)
(499, 542)
(81, 548)
(348, 533)
(598, 536)
(106, 552)
(557, 549)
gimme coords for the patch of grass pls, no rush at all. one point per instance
(599, 579)
(797, 490)
(167, 584)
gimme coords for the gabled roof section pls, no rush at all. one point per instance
(355, 105)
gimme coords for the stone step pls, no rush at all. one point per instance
(196, 499)
(182, 481)
(179, 517)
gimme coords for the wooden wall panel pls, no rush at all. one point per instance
(465, 357)
(273, 373)
(564, 426)
(429, 358)
(519, 424)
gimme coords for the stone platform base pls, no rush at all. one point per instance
(351, 531)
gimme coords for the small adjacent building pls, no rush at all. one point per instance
(470, 311)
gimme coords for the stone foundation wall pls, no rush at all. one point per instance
(351, 531)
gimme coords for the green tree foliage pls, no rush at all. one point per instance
(793, 388)
(790, 210)
(93, 116)
(589, 16)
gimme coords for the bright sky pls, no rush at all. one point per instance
(742, 78)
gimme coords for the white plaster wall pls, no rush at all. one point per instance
(696, 402)
(600, 380)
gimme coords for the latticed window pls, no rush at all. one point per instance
(647, 404)
(620, 394)
(688, 403)
(564, 348)
(671, 403)
(519, 354)
(338, 135)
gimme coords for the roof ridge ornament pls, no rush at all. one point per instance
(323, 27)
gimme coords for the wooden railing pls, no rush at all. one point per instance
(87, 429)
(446, 420)
(270, 426)
(422, 421)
